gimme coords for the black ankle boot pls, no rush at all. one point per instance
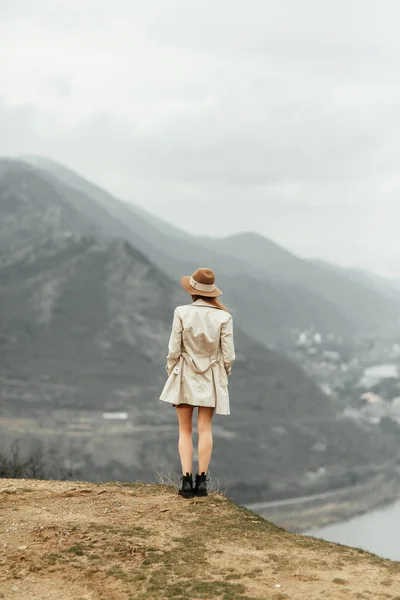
(186, 489)
(200, 488)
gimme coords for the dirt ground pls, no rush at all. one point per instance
(82, 541)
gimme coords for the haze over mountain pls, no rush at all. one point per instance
(85, 320)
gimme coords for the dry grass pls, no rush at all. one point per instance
(81, 541)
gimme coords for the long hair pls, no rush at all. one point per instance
(213, 301)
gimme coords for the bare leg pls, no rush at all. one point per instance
(205, 437)
(185, 444)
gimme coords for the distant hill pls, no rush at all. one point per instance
(84, 325)
(359, 301)
(382, 285)
(288, 293)
(32, 209)
(141, 223)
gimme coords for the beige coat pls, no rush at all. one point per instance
(200, 357)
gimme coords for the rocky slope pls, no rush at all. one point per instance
(69, 540)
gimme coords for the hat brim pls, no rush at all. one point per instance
(185, 283)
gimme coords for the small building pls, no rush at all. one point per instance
(371, 398)
(115, 416)
(332, 355)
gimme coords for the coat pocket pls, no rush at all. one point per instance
(176, 369)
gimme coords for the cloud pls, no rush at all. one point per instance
(281, 117)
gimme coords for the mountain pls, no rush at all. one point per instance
(378, 283)
(288, 294)
(140, 222)
(274, 311)
(292, 293)
(84, 326)
(33, 209)
(359, 302)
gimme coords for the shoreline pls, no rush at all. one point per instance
(313, 512)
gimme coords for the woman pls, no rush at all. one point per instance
(200, 357)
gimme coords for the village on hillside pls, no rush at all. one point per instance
(362, 377)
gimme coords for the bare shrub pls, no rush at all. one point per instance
(35, 465)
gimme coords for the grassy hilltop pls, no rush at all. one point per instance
(84, 541)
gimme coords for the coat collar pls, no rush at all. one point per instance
(201, 302)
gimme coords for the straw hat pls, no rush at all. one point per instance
(201, 283)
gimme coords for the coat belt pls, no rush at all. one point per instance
(195, 368)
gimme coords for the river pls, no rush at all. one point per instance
(377, 531)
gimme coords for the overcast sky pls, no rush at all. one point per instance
(275, 116)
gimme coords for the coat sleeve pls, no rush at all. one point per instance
(175, 343)
(227, 346)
